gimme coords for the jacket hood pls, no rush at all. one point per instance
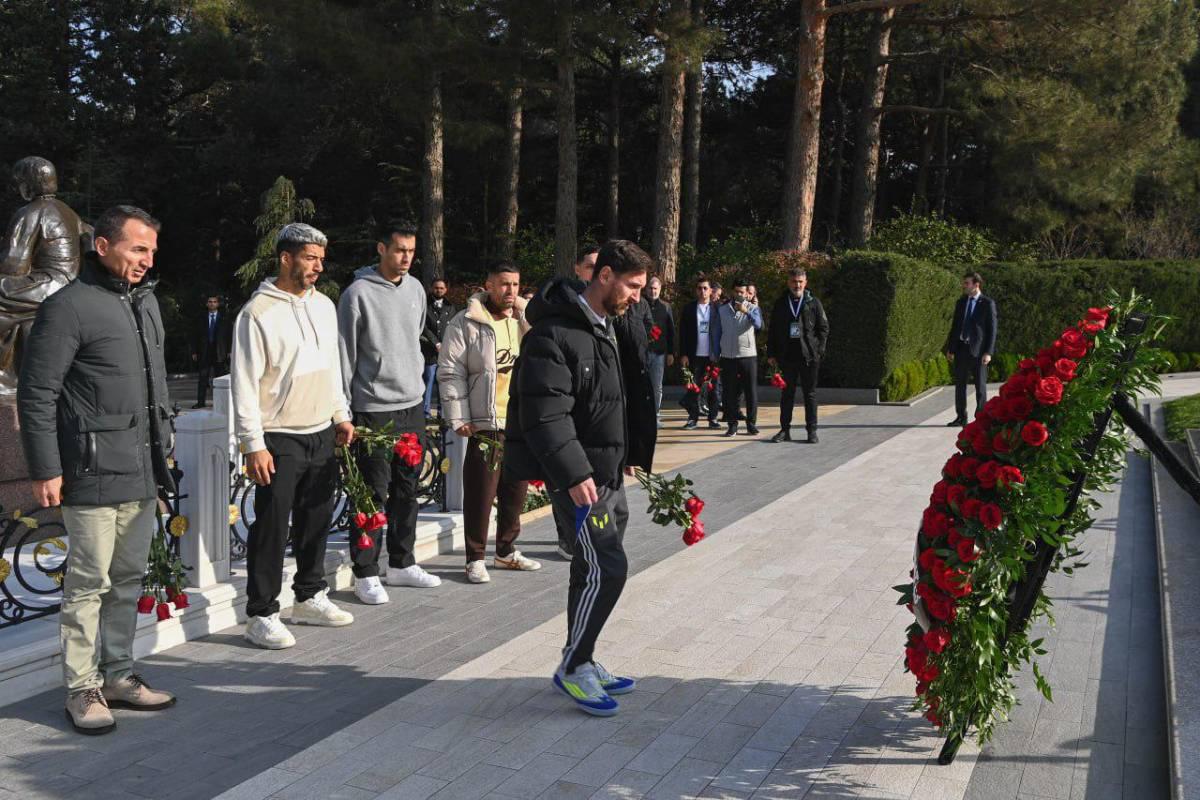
(557, 297)
(371, 274)
(477, 310)
(300, 305)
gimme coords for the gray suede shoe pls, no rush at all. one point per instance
(89, 713)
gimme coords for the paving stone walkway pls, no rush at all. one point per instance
(768, 659)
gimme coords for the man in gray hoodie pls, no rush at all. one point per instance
(381, 316)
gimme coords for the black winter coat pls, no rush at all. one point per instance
(92, 394)
(566, 409)
(633, 341)
(810, 346)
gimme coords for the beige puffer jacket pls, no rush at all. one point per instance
(467, 365)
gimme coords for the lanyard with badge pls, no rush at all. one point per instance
(702, 322)
(796, 328)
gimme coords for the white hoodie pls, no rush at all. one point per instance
(286, 370)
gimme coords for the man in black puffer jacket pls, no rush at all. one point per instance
(567, 425)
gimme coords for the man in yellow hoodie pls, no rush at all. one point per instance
(289, 412)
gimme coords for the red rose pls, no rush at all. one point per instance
(694, 533)
(990, 516)
(941, 607)
(935, 523)
(970, 508)
(966, 551)
(936, 639)
(378, 520)
(956, 494)
(1074, 344)
(938, 497)
(164, 612)
(915, 659)
(1064, 369)
(997, 409)
(922, 687)
(987, 474)
(538, 484)
(1046, 364)
(932, 716)
(364, 541)
(927, 559)
(145, 604)
(778, 382)
(414, 457)
(693, 388)
(170, 592)
(982, 444)
(1026, 364)
(181, 601)
(360, 520)
(1000, 443)
(1010, 475)
(708, 387)
(1034, 434)
(953, 538)
(1048, 391)
(1019, 408)
(968, 466)
(656, 333)
(1099, 314)
(952, 467)
(952, 581)
(972, 429)
(694, 506)
(1091, 328)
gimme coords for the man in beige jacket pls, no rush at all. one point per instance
(475, 365)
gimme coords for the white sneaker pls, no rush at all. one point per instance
(370, 591)
(477, 572)
(412, 576)
(320, 610)
(516, 561)
(268, 633)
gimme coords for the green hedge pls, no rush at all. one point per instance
(887, 310)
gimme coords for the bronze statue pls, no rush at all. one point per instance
(41, 253)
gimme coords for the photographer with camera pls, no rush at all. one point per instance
(735, 325)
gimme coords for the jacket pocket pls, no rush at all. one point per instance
(112, 444)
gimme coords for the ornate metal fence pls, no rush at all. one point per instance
(431, 491)
(33, 557)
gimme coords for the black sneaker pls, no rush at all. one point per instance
(812, 437)
(732, 431)
(690, 425)
(956, 423)
(751, 430)
(784, 435)
(714, 425)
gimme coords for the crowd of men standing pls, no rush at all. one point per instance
(562, 385)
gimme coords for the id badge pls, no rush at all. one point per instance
(796, 330)
(704, 328)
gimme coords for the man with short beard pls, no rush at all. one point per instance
(567, 425)
(796, 343)
(475, 368)
(289, 413)
(381, 318)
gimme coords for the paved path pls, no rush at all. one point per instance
(769, 661)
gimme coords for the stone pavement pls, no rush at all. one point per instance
(768, 659)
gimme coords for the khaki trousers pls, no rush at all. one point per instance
(106, 561)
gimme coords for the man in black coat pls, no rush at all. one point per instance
(662, 342)
(568, 425)
(796, 342)
(971, 345)
(96, 428)
(210, 347)
(438, 314)
(697, 323)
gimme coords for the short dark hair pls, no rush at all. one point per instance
(586, 251)
(212, 296)
(438, 279)
(797, 272)
(396, 227)
(702, 279)
(623, 257)
(715, 285)
(740, 281)
(112, 221)
(974, 277)
(498, 267)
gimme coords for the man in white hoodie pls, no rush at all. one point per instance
(289, 413)
(381, 317)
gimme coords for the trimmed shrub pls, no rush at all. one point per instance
(887, 310)
(933, 238)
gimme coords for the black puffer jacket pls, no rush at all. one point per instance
(566, 410)
(92, 395)
(633, 340)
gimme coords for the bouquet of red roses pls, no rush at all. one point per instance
(367, 517)
(671, 500)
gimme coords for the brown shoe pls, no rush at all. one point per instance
(135, 694)
(89, 713)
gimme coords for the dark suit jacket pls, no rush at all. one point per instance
(219, 353)
(981, 328)
(687, 329)
(633, 339)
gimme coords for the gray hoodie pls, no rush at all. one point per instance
(380, 325)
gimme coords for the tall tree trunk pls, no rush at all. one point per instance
(804, 138)
(670, 151)
(512, 172)
(929, 136)
(432, 240)
(841, 127)
(691, 142)
(612, 205)
(943, 167)
(866, 145)
(565, 237)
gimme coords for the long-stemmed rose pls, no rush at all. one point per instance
(672, 501)
(365, 515)
(1003, 492)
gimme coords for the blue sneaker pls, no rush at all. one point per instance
(583, 686)
(614, 684)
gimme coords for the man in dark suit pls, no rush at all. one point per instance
(796, 340)
(697, 323)
(971, 344)
(210, 347)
